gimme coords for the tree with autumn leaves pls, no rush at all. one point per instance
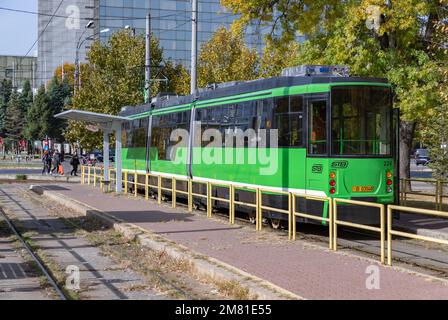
(375, 38)
(114, 78)
(400, 40)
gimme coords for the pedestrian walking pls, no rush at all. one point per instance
(56, 161)
(75, 163)
(46, 161)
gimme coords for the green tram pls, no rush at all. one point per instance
(335, 137)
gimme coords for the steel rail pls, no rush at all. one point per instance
(35, 257)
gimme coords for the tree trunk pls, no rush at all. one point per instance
(407, 129)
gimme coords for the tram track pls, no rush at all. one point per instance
(359, 242)
(35, 257)
(180, 291)
(364, 244)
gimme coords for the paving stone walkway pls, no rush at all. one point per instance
(309, 271)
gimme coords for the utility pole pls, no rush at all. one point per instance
(148, 60)
(194, 45)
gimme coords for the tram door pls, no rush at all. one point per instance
(317, 152)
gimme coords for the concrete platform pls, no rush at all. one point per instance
(304, 269)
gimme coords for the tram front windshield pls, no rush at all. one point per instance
(361, 120)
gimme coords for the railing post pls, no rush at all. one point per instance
(232, 204)
(88, 176)
(135, 183)
(383, 231)
(146, 186)
(330, 227)
(440, 195)
(190, 195)
(94, 176)
(125, 182)
(159, 189)
(389, 236)
(290, 214)
(209, 199)
(258, 212)
(400, 190)
(82, 174)
(405, 187)
(335, 225)
(101, 178)
(173, 192)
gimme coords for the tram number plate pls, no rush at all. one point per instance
(362, 188)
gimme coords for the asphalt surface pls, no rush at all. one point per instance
(28, 170)
(420, 171)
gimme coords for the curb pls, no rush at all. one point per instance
(423, 231)
(204, 265)
(38, 177)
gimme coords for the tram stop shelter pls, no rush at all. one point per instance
(108, 124)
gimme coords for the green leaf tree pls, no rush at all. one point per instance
(59, 93)
(5, 94)
(34, 129)
(225, 57)
(114, 78)
(14, 120)
(374, 38)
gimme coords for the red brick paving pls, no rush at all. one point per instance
(311, 272)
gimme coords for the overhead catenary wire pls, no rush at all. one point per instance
(45, 28)
(221, 15)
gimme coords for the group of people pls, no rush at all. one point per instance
(52, 161)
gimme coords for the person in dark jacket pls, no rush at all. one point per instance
(56, 161)
(46, 160)
(75, 163)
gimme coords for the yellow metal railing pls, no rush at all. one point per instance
(157, 182)
(380, 229)
(438, 194)
(329, 219)
(391, 232)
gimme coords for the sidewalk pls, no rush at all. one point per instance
(306, 270)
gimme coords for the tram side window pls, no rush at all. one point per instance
(284, 114)
(317, 116)
(134, 133)
(162, 144)
(361, 120)
(288, 115)
(227, 119)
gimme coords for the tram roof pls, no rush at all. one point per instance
(237, 88)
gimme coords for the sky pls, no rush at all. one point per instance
(18, 31)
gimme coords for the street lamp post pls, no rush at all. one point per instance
(78, 46)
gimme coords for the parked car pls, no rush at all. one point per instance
(422, 157)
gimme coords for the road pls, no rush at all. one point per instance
(32, 169)
(420, 171)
